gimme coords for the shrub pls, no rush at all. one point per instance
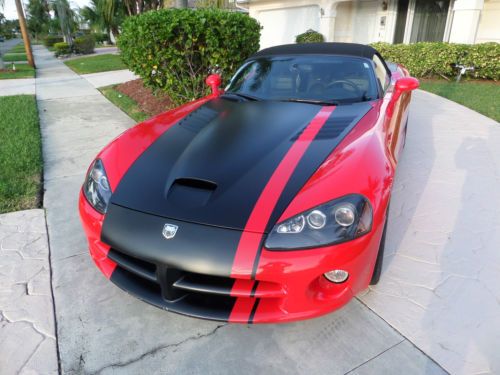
(174, 49)
(84, 45)
(427, 59)
(62, 48)
(310, 36)
(101, 37)
(50, 40)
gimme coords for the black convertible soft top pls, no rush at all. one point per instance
(350, 49)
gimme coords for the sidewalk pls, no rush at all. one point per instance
(109, 78)
(27, 331)
(102, 330)
(19, 86)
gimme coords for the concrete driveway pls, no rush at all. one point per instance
(443, 217)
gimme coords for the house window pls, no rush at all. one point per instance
(399, 33)
(421, 21)
(429, 20)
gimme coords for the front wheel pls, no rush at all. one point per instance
(377, 270)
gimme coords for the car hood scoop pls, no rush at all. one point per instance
(211, 167)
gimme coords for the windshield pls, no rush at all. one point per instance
(314, 78)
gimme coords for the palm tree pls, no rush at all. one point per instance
(104, 15)
(66, 17)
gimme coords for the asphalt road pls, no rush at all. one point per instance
(8, 44)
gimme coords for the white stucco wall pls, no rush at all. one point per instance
(466, 15)
(337, 20)
(489, 22)
(281, 26)
(360, 21)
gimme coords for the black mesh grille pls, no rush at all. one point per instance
(171, 283)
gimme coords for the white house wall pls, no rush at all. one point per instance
(348, 21)
(281, 26)
(489, 28)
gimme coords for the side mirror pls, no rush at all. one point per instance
(406, 84)
(214, 81)
(402, 85)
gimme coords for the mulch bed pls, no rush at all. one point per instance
(148, 102)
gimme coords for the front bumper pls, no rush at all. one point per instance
(288, 285)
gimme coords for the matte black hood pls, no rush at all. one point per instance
(211, 167)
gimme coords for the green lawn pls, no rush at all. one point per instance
(14, 57)
(126, 104)
(482, 97)
(20, 154)
(94, 64)
(22, 71)
(19, 48)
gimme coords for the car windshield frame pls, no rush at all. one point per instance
(374, 89)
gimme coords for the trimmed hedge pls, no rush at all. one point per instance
(310, 36)
(62, 49)
(427, 59)
(50, 40)
(84, 45)
(175, 49)
(101, 37)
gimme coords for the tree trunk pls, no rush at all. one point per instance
(24, 32)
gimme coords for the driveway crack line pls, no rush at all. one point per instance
(51, 279)
(158, 349)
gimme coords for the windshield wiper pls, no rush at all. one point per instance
(311, 101)
(244, 96)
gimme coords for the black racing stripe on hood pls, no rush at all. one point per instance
(343, 119)
(195, 248)
(211, 167)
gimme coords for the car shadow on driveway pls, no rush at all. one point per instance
(441, 282)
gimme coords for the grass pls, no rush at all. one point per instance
(20, 154)
(125, 103)
(22, 71)
(482, 97)
(18, 48)
(14, 57)
(95, 64)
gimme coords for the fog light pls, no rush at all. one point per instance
(336, 276)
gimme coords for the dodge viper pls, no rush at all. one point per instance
(265, 201)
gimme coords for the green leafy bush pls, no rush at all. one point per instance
(101, 37)
(175, 49)
(427, 59)
(84, 45)
(310, 36)
(62, 48)
(50, 40)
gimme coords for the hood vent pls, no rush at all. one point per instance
(191, 192)
(333, 127)
(198, 119)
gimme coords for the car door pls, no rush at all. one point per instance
(395, 125)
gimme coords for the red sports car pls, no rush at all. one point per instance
(263, 202)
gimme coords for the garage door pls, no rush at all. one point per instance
(280, 26)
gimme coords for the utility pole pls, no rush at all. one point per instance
(24, 32)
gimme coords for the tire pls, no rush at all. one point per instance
(406, 132)
(377, 269)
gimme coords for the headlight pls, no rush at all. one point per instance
(340, 220)
(96, 187)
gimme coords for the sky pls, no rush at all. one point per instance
(10, 11)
